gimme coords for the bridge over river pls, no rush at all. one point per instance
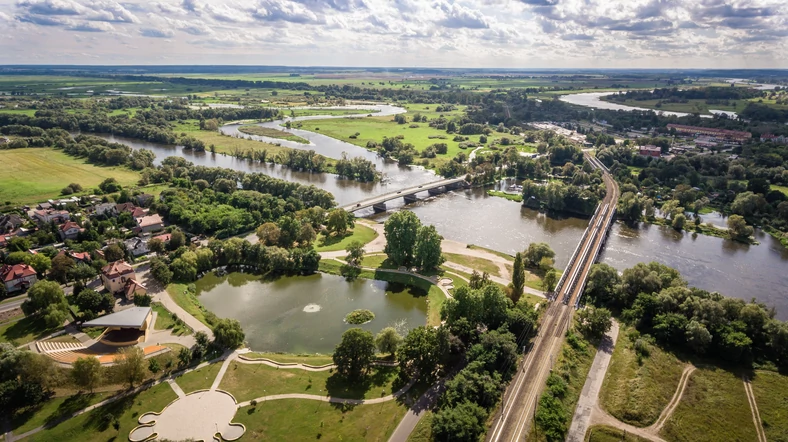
(378, 203)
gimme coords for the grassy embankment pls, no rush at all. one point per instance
(602, 433)
(271, 133)
(771, 394)
(200, 379)
(714, 407)
(24, 330)
(360, 233)
(251, 381)
(37, 174)
(165, 321)
(187, 301)
(286, 358)
(638, 386)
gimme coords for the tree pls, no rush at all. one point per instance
(93, 302)
(388, 340)
(339, 221)
(177, 240)
(518, 278)
(87, 373)
(423, 352)
(268, 234)
(738, 228)
(353, 356)
(698, 337)
(61, 268)
(47, 299)
(550, 280)
(594, 322)
(18, 244)
(156, 245)
(288, 231)
(401, 231)
(463, 423)
(153, 365)
(40, 262)
(228, 333)
(679, 221)
(114, 253)
(602, 282)
(160, 271)
(355, 252)
(184, 356)
(130, 366)
(535, 252)
(82, 273)
(427, 254)
(306, 235)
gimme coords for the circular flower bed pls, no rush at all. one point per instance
(361, 316)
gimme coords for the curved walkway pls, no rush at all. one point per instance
(299, 366)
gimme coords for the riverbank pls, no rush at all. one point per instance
(271, 133)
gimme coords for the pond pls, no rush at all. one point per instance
(305, 314)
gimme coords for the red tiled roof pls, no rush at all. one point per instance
(17, 271)
(149, 220)
(68, 225)
(117, 268)
(164, 237)
(131, 287)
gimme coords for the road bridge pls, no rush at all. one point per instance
(378, 203)
(520, 399)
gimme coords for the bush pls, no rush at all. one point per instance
(360, 316)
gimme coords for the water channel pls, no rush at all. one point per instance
(473, 217)
(305, 314)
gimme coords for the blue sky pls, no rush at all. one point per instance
(403, 33)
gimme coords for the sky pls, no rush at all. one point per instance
(399, 33)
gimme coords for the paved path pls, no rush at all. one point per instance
(228, 358)
(176, 388)
(333, 400)
(160, 295)
(416, 412)
(590, 394)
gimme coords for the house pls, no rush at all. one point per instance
(17, 277)
(105, 209)
(650, 151)
(717, 134)
(79, 257)
(125, 207)
(144, 199)
(133, 288)
(774, 138)
(150, 223)
(44, 206)
(9, 223)
(51, 215)
(137, 246)
(115, 275)
(69, 230)
(164, 237)
(138, 212)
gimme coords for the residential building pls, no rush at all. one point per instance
(150, 223)
(106, 209)
(133, 289)
(17, 277)
(69, 230)
(164, 237)
(720, 134)
(79, 257)
(9, 223)
(650, 151)
(774, 138)
(125, 207)
(116, 274)
(137, 246)
(51, 215)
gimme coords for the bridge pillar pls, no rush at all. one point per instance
(435, 191)
(379, 208)
(410, 198)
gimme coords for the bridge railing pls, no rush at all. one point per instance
(573, 257)
(583, 258)
(597, 250)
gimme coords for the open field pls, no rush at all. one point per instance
(783, 189)
(602, 433)
(53, 410)
(38, 174)
(714, 407)
(250, 381)
(271, 133)
(25, 330)
(771, 394)
(96, 425)
(360, 233)
(199, 379)
(636, 391)
(479, 264)
(293, 419)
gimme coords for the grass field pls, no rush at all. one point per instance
(300, 420)
(54, 410)
(250, 381)
(96, 425)
(223, 143)
(602, 433)
(714, 407)
(25, 330)
(479, 264)
(771, 394)
(287, 358)
(198, 379)
(637, 393)
(783, 189)
(164, 321)
(271, 133)
(360, 233)
(38, 174)
(187, 301)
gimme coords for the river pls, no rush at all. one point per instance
(593, 100)
(473, 217)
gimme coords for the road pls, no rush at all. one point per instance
(520, 400)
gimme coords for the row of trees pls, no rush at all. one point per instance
(409, 243)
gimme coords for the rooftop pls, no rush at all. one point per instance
(132, 318)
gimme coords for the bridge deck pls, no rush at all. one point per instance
(401, 193)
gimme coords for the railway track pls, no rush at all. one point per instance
(520, 400)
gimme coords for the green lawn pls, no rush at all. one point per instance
(771, 394)
(636, 393)
(287, 358)
(25, 330)
(423, 430)
(714, 407)
(164, 321)
(479, 264)
(38, 174)
(187, 301)
(271, 133)
(250, 381)
(225, 144)
(199, 379)
(301, 420)
(494, 252)
(96, 425)
(602, 433)
(376, 261)
(360, 233)
(54, 410)
(783, 189)
(28, 112)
